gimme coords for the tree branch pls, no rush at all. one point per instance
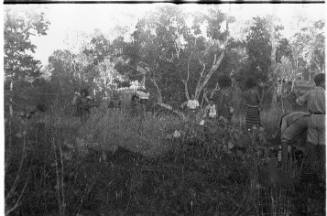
(170, 108)
(214, 90)
(18, 200)
(198, 88)
(213, 69)
(163, 105)
(14, 185)
(216, 63)
(187, 79)
(158, 90)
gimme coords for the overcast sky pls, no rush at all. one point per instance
(71, 24)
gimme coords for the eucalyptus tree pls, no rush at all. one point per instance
(176, 53)
(19, 63)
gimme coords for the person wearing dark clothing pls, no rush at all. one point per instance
(224, 105)
(83, 105)
(135, 105)
(252, 101)
(224, 98)
(115, 101)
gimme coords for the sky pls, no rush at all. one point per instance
(72, 24)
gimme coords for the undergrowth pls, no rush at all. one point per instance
(117, 164)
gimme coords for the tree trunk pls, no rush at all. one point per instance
(164, 105)
(159, 98)
(213, 69)
(11, 110)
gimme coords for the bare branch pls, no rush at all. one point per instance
(205, 97)
(170, 108)
(17, 204)
(186, 89)
(198, 85)
(14, 185)
(158, 90)
(187, 94)
(161, 104)
(203, 69)
(216, 63)
(213, 69)
(188, 68)
(62, 190)
(214, 59)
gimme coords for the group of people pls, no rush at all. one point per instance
(310, 123)
(221, 107)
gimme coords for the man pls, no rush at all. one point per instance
(313, 174)
(135, 105)
(192, 107)
(209, 119)
(115, 101)
(224, 98)
(315, 101)
(210, 110)
(192, 104)
(252, 100)
(82, 102)
(292, 129)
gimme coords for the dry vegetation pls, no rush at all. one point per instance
(115, 164)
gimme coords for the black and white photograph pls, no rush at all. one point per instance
(164, 109)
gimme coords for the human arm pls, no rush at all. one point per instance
(302, 99)
(183, 104)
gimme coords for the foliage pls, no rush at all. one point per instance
(18, 61)
(309, 46)
(20, 67)
(171, 53)
(259, 49)
(284, 49)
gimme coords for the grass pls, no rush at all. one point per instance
(144, 171)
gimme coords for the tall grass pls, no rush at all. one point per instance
(156, 174)
(107, 129)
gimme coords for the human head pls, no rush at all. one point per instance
(319, 80)
(41, 107)
(250, 83)
(84, 93)
(135, 97)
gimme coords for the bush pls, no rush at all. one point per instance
(108, 129)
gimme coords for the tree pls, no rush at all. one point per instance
(259, 49)
(284, 49)
(176, 58)
(309, 47)
(19, 64)
(92, 68)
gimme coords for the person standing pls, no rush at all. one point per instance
(315, 102)
(192, 106)
(210, 120)
(225, 98)
(82, 102)
(210, 110)
(313, 173)
(252, 101)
